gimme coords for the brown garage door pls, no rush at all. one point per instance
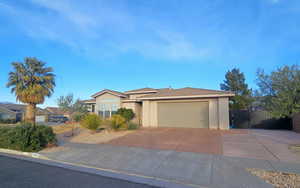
(183, 114)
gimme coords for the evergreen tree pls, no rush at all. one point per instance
(235, 82)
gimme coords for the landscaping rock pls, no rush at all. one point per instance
(278, 179)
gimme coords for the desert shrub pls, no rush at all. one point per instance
(117, 122)
(78, 116)
(132, 126)
(128, 114)
(26, 137)
(91, 121)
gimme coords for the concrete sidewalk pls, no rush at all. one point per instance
(179, 167)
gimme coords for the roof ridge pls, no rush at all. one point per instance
(205, 89)
(140, 90)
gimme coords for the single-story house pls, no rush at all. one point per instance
(16, 112)
(184, 107)
(10, 111)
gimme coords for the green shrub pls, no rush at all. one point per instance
(8, 121)
(26, 137)
(132, 126)
(48, 136)
(91, 121)
(117, 122)
(128, 114)
(4, 138)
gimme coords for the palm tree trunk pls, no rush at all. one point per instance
(30, 113)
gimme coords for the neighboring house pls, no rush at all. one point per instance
(185, 107)
(17, 112)
(10, 111)
(6, 114)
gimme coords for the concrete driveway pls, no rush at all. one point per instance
(254, 144)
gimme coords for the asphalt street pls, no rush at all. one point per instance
(15, 173)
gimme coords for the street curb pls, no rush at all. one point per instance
(152, 181)
(27, 154)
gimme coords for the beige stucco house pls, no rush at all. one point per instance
(185, 107)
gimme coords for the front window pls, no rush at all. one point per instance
(106, 110)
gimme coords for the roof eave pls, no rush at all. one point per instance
(131, 100)
(187, 97)
(89, 102)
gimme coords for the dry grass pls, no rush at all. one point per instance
(9, 125)
(63, 128)
(278, 179)
(88, 137)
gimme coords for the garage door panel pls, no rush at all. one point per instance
(183, 114)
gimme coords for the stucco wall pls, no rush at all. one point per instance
(107, 99)
(223, 113)
(218, 112)
(213, 114)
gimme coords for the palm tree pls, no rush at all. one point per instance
(31, 82)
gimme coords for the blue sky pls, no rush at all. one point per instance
(129, 44)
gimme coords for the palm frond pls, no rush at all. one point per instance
(31, 81)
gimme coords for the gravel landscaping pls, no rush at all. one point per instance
(295, 148)
(278, 179)
(87, 137)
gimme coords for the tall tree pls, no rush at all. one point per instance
(31, 82)
(235, 82)
(279, 91)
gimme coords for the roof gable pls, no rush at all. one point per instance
(116, 93)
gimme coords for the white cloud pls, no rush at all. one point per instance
(169, 45)
(101, 30)
(65, 9)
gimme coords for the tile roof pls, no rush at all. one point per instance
(146, 89)
(187, 91)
